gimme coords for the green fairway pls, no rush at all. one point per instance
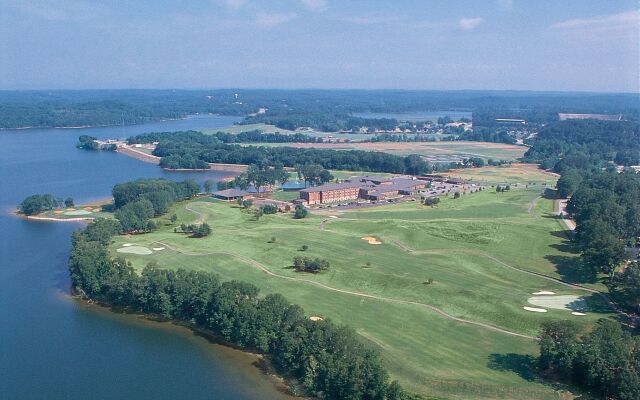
(464, 335)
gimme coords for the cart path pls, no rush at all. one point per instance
(201, 216)
(633, 320)
(349, 292)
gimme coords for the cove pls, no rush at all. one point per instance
(54, 347)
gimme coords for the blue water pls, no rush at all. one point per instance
(53, 347)
(418, 115)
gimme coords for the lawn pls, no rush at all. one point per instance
(526, 174)
(468, 247)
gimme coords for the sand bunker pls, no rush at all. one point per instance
(77, 212)
(314, 318)
(333, 216)
(158, 248)
(578, 313)
(97, 209)
(371, 240)
(143, 251)
(543, 292)
(534, 309)
(562, 302)
(87, 208)
(58, 212)
(127, 245)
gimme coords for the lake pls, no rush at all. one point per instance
(418, 115)
(54, 347)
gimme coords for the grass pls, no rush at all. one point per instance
(92, 210)
(462, 245)
(526, 174)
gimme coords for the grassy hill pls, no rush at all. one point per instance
(465, 335)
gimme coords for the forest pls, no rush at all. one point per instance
(318, 108)
(137, 202)
(194, 149)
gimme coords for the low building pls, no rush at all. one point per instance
(230, 194)
(331, 193)
(362, 187)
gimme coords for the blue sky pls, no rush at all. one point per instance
(492, 44)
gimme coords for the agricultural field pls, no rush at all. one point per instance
(439, 291)
(430, 150)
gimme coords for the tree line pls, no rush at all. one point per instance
(137, 202)
(604, 203)
(39, 203)
(186, 149)
(605, 360)
(328, 360)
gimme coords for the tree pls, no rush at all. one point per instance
(208, 186)
(300, 212)
(304, 247)
(456, 195)
(37, 203)
(604, 254)
(68, 202)
(173, 218)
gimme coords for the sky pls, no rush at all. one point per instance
(544, 45)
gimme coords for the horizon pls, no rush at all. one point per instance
(502, 45)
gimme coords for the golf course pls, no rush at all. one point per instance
(439, 291)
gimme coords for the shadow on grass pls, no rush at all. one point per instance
(522, 364)
(571, 269)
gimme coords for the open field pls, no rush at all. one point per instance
(507, 174)
(465, 335)
(460, 149)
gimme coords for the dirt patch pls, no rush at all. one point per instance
(371, 240)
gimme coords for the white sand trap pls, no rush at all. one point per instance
(314, 318)
(562, 302)
(77, 212)
(158, 248)
(371, 240)
(58, 212)
(87, 208)
(143, 251)
(578, 313)
(534, 309)
(333, 216)
(127, 244)
(543, 292)
(97, 209)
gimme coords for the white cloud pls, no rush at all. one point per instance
(468, 24)
(630, 19)
(315, 5)
(233, 4)
(270, 20)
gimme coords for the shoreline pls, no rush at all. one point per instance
(109, 125)
(261, 364)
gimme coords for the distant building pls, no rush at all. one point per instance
(230, 194)
(599, 117)
(511, 121)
